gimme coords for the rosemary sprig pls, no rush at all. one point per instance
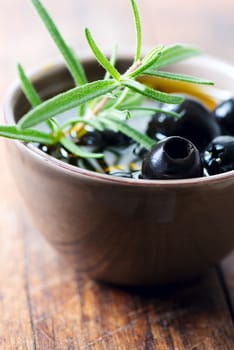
(66, 101)
(73, 63)
(107, 103)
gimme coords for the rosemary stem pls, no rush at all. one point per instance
(80, 126)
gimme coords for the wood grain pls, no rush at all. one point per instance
(66, 311)
(44, 305)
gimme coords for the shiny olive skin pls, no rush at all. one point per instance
(139, 151)
(172, 158)
(195, 123)
(115, 139)
(219, 155)
(91, 138)
(104, 138)
(224, 114)
(161, 125)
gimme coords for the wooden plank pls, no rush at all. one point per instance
(45, 306)
(73, 312)
(15, 313)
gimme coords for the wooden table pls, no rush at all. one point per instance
(43, 305)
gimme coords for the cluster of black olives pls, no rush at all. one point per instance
(198, 143)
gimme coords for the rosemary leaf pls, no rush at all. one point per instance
(31, 94)
(179, 77)
(175, 53)
(79, 67)
(65, 101)
(100, 57)
(78, 151)
(121, 98)
(113, 59)
(72, 63)
(93, 123)
(27, 87)
(28, 135)
(133, 99)
(151, 93)
(116, 124)
(148, 61)
(154, 110)
(138, 30)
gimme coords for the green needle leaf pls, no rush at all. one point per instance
(78, 151)
(65, 101)
(138, 30)
(28, 89)
(136, 135)
(154, 110)
(151, 93)
(175, 53)
(148, 61)
(100, 57)
(31, 94)
(29, 135)
(80, 69)
(179, 77)
(112, 61)
(94, 123)
(73, 64)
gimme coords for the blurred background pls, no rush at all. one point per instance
(207, 24)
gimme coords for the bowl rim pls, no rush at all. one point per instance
(57, 64)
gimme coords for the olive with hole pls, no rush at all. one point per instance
(172, 158)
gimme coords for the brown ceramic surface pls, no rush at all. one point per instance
(123, 230)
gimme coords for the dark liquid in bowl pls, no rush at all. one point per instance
(123, 160)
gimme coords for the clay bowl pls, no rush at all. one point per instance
(125, 231)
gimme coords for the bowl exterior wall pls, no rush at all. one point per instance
(124, 233)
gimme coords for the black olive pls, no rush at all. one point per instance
(61, 153)
(172, 158)
(49, 149)
(161, 125)
(195, 123)
(224, 114)
(139, 151)
(91, 138)
(57, 151)
(115, 139)
(219, 155)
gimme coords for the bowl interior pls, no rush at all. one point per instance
(54, 78)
